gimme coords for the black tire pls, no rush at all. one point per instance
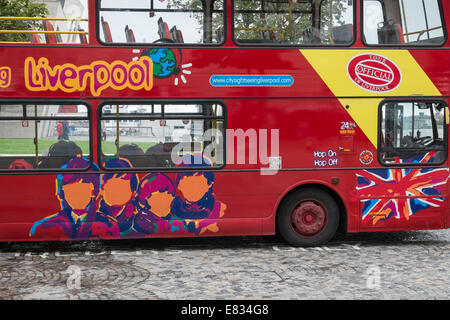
(305, 199)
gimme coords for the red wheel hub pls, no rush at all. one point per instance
(309, 218)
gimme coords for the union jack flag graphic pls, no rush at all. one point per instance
(400, 192)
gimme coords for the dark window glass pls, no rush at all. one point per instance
(413, 132)
(42, 136)
(158, 135)
(293, 22)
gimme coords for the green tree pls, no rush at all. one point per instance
(302, 22)
(20, 8)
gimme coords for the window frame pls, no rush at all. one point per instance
(402, 46)
(52, 102)
(160, 44)
(160, 117)
(311, 45)
(379, 133)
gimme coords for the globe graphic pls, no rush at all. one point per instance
(164, 62)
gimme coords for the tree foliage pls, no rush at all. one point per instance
(282, 20)
(20, 8)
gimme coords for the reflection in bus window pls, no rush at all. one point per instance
(412, 129)
(289, 22)
(44, 22)
(156, 135)
(42, 136)
(403, 22)
(169, 21)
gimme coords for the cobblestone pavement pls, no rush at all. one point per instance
(400, 265)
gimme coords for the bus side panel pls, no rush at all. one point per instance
(393, 198)
(447, 206)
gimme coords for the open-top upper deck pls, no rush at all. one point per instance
(240, 48)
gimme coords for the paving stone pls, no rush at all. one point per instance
(393, 265)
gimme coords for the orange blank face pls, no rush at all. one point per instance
(194, 187)
(117, 192)
(78, 194)
(160, 203)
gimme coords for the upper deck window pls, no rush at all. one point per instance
(44, 22)
(403, 22)
(294, 22)
(166, 21)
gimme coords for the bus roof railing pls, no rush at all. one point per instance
(42, 31)
(46, 32)
(42, 19)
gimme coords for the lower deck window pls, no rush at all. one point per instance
(413, 132)
(42, 137)
(159, 135)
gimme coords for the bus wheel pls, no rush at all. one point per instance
(308, 217)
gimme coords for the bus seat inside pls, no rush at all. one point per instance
(50, 38)
(180, 36)
(20, 164)
(268, 36)
(390, 34)
(58, 36)
(59, 153)
(311, 35)
(134, 154)
(129, 34)
(160, 155)
(83, 38)
(163, 30)
(106, 31)
(34, 37)
(343, 34)
(176, 35)
(219, 35)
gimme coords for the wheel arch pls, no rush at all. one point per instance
(343, 216)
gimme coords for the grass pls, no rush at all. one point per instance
(26, 146)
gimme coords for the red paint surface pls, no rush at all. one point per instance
(307, 114)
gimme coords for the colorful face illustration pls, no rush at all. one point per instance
(118, 189)
(78, 194)
(196, 203)
(117, 192)
(194, 187)
(156, 193)
(160, 202)
(77, 190)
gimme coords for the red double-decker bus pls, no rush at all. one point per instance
(182, 118)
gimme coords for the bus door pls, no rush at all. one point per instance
(409, 188)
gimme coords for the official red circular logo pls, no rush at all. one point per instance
(374, 73)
